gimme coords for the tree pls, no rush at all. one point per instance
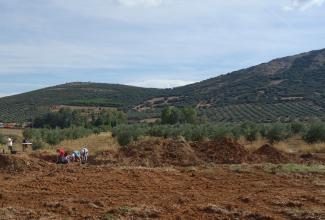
(176, 116)
(297, 127)
(316, 133)
(276, 133)
(190, 115)
(125, 138)
(250, 131)
(165, 115)
(173, 115)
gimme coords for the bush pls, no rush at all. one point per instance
(221, 131)
(124, 138)
(263, 130)
(38, 144)
(2, 139)
(54, 137)
(173, 115)
(297, 127)
(315, 134)
(250, 131)
(276, 133)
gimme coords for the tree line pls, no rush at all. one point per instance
(273, 132)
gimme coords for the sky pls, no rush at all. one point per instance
(149, 43)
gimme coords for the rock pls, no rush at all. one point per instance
(93, 205)
(52, 204)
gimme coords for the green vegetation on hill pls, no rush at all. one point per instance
(66, 118)
(282, 90)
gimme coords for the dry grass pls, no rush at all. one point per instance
(16, 132)
(292, 145)
(95, 143)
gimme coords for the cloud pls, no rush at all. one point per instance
(303, 5)
(5, 94)
(161, 83)
(146, 3)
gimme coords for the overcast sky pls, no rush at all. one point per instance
(152, 43)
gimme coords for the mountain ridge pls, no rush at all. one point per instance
(298, 78)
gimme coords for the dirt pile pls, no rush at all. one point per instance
(17, 163)
(222, 151)
(162, 152)
(159, 152)
(269, 154)
(49, 157)
(168, 152)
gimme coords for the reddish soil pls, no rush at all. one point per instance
(222, 151)
(269, 154)
(77, 191)
(159, 152)
(167, 152)
(180, 181)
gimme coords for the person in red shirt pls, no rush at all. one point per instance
(61, 155)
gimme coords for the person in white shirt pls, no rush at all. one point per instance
(9, 143)
(84, 154)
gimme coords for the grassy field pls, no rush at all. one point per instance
(15, 132)
(95, 143)
(292, 145)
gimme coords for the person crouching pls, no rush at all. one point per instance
(61, 156)
(76, 157)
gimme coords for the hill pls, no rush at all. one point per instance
(283, 89)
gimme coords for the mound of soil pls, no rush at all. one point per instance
(108, 157)
(222, 151)
(52, 158)
(269, 154)
(167, 152)
(159, 152)
(17, 163)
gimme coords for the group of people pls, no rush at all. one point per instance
(76, 156)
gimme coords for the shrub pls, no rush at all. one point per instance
(236, 132)
(124, 138)
(38, 144)
(297, 127)
(250, 131)
(2, 139)
(277, 133)
(263, 130)
(173, 115)
(96, 130)
(218, 132)
(54, 137)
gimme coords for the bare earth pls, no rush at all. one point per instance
(49, 191)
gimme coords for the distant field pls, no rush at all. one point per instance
(283, 111)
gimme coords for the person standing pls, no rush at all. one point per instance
(84, 154)
(10, 144)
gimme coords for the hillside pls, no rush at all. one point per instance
(28, 105)
(299, 77)
(283, 89)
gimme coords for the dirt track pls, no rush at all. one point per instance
(103, 192)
